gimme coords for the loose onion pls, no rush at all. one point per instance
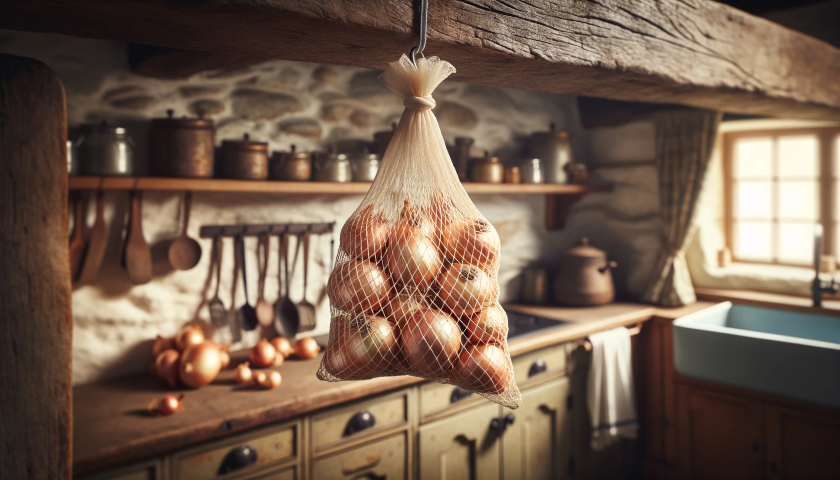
(200, 364)
(272, 380)
(473, 242)
(258, 379)
(430, 345)
(161, 344)
(307, 348)
(166, 405)
(412, 259)
(489, 326)
(263, 354)
(279, 360)
(483, 369)
(242, 373)
(401, 307)
(283, 346)
(367, 348)
(465, 290)
(188, 336)
(358, 287)
(225, 355)
(365, 235)
(166, 366)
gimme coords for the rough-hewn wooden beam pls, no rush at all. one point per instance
(691, 52)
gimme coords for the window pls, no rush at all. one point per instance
(779, 183)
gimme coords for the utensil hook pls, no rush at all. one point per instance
(424, 23)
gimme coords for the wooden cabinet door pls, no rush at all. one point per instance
(802, 444)
(462, 446)
(721, 436)
(536, 445)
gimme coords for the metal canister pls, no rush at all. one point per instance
(245, 159)
(512, 175)
(530, 170)
(336, 168)
(72, 163)
(365, 167)
(461, 157)
(292, 166)
(104, 150)
(555, 151)
(535, 286)
(181, 147)
(487, 170)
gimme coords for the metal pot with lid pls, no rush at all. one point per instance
(182, 147)
(292, 166)
(584, 276)
(554, 149)
(104, 150)
(245, 159)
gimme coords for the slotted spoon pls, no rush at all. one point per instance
(218, 312)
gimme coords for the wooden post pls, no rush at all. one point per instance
(35, 318)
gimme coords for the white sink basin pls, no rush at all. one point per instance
(779, 352)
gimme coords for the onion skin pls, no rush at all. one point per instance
(258, 379)
(430, 346)
(242, 374)
(200, 364)
(473, 242)
(283, 346)
(272, 380)
(358, 287)
(483, 369)
(166, 366)
(489, 326)
(412, 217)
(307, 348)
(188, 336)
(364, 236)
(401, 307)
(263, 354)
(161, 344)
(367, 348)
(225, 359)
(466, 290)
(412, 258)
(166, 405)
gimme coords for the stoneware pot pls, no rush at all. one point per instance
(584, 277)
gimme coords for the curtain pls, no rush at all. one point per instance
(684, 142)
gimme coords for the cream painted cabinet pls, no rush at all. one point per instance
(537, 437)
(462, 446)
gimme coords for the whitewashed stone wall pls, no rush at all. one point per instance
(312, 106)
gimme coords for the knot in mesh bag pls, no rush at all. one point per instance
(414, 290)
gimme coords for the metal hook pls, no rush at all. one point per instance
(424, 22)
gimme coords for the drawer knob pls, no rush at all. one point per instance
(458, 394)
(358, 422)
(539, 366)
(500, 424)
(238, 458)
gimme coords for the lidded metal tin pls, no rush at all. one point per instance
(292, 166)
(554, 149)
(245, 159)
(181, 147)
(104, 150)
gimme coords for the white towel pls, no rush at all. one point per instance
(609, 390)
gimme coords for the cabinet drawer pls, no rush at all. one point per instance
(272, 445)
(289, 473)
(384, 458)
(345, 423)
(438, 397)
(148, 470)
(539, 364)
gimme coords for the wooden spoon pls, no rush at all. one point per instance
(286, 320)
(265, 313)
(77, 243)
(137, 255)
(97, 243)
(185, 252)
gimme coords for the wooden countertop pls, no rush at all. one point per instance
(111, 425)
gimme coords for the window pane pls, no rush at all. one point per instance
(796, 242)
(754, 158)
(798, 200)
(798, 156)
(752, 241)
(753, 200)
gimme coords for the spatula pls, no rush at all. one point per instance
(137, 255)
(306, 311)
(97, 244)
(77, 243)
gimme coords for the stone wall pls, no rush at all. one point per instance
(314, 106)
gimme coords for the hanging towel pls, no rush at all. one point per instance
(609, 390)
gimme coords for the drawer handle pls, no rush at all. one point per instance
(538, 367)
(459, 394)
(355, 465)
(358, 422)
(238, 458)
(500, 424)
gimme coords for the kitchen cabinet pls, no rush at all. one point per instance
(383, 459)
(149, 470)
(801, 444)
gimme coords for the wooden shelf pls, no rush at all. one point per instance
(277, 187)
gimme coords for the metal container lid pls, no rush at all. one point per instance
(552, 133)
(293, 154)
(585, 250)
(101, 128)
(184, 122)
(245, 144)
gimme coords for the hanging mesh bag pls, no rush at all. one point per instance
(414, 290)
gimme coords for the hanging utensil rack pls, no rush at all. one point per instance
(211, 231)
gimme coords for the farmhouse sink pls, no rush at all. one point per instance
(779, 352)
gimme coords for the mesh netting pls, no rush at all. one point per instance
(414, 289)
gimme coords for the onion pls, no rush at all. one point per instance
(489, 326)
(358, 287)
(466, 290)
(263, 354)
(483, 369)
(279, 360)
(166, 366)
(307, 348)
(401, 307)
(414, 218)
(431, 342)
(188, 336)
(413, 260)
(365, 235)
(200, 364)
(161, 344)
(473, 242)
(258, 379)
(242, 373)
(367, 347)
(272, 380)
(283, 346)
(225, 355)
(166, 405)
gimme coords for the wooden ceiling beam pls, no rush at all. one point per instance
(690, 52)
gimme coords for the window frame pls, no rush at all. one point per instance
(826, 178)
